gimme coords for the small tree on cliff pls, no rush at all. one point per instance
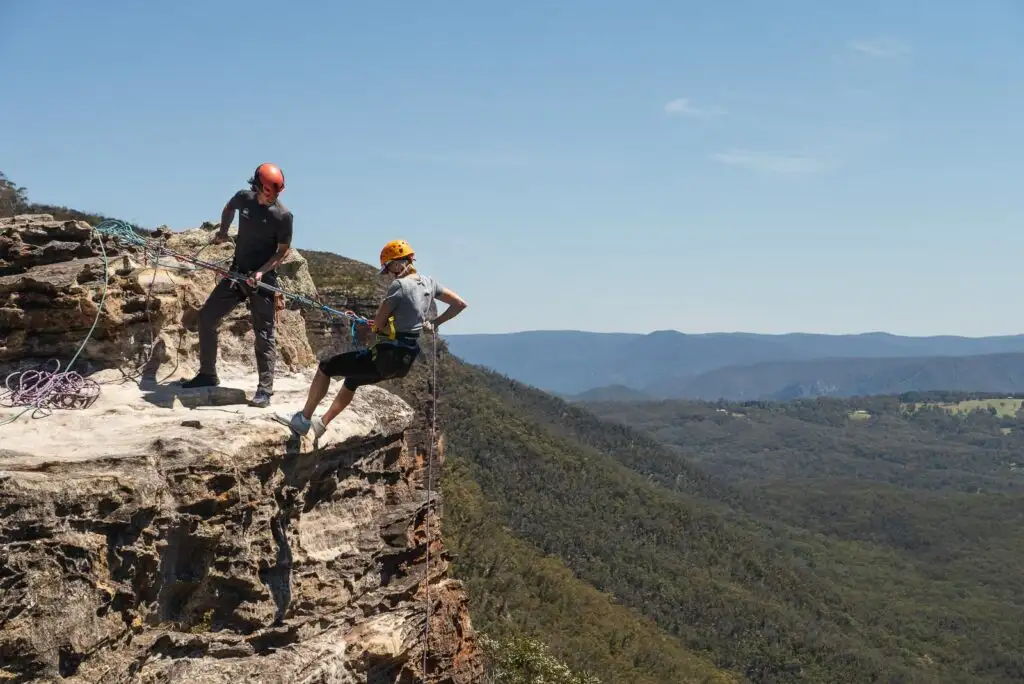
(13, 198)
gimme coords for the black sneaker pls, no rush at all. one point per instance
(261, 399)
(201, 380)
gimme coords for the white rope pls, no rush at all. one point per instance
(430, 489)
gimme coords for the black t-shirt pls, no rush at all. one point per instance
(260, 230)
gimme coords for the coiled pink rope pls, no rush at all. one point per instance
(38, 390)
(41, 388)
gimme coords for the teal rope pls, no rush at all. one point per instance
(124, 233)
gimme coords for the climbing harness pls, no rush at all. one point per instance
(38, 390)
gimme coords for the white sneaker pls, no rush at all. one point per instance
(318, 426)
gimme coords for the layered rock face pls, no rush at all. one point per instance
(170, 535)
(327, 337)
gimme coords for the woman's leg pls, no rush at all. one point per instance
(340, 365)
(358, 368)
(339, 404)
(317, 391)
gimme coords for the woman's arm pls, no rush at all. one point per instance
(387, 306)
(456, 305)
(380, 321)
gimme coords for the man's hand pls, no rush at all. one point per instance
(275, 261)
(429, 326)
(253, 279)
(219, 237)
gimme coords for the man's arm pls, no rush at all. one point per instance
(275, 261)
(227, 215)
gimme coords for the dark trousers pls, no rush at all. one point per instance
(224, 298)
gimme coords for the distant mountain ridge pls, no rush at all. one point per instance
(671, 364)
(787, 380)
(611, 393)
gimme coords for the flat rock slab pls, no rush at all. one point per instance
(159, 280)
(126, 419)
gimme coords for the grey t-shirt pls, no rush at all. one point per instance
(412, 301)
(260, 230)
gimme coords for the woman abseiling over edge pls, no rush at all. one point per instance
(400, 319)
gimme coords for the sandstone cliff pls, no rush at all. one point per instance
(170, 535)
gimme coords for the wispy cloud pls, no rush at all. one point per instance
(681, 106)
(880, 47)
(772, 163)
(826, 150)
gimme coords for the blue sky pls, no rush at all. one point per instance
(769, 167)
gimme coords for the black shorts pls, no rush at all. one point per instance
(370, 366)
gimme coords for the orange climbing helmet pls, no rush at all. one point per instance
(268, 177)
(396, 249)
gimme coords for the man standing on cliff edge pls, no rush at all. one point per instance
(264, 238)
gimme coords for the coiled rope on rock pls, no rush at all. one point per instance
(39, 390)
(42, 388)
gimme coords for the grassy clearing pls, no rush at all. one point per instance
(1003, 407)
(1006, 407)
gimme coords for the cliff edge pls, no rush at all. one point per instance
(156, 534)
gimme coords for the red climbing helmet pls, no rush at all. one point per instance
(268, 177)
